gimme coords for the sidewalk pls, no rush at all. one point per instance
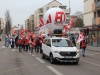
(2, 43)
(90, 48)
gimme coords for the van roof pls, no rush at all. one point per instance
(56, 38)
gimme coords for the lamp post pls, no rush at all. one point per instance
(69, 14)
(18, 29)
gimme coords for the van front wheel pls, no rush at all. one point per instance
(52, 61)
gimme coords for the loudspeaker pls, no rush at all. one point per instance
(57, 31)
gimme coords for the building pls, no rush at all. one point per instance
(1, 23)
(13, 29)
(92, 21)
(39, 13)
(27, 24)
(31, 22)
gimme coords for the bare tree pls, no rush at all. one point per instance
(8, 22)
(79, 20)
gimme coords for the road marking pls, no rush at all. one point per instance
(29, 53)
(33, 55)
(90, 62)
(54, 70)
(40, 60)
(13, 50)
(3, 47)
(0, 47)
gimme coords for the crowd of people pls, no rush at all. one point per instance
(26, 44)
(35, 43)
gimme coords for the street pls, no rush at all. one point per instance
(14, 63)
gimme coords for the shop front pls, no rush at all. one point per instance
(93, 37)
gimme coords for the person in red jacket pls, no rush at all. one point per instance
(26, 44)
(83, 46)
(19, 44)
(23, 43)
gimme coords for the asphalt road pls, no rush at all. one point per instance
(14, 63)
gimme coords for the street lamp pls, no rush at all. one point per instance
(18, 29)
(69, 15)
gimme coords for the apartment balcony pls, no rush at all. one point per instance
(98, 21)
(93, 6)
(62, 7)
(66, 10)
(36, 29)
(93, 21)
(40, 13)
(98, 4)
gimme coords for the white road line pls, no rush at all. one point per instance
(0, 47)
(90, 62)
(54, 70)
(13, 50)
(33, 55)
(3, 47)
(40, 60)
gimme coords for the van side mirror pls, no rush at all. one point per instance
(48, 45)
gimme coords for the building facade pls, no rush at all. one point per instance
(1, 23)
(27, 24)
(92, 21)
(31, 22)
(39, 13)
(13, 29)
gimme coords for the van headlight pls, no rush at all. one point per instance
(56, 51)
(77, 51)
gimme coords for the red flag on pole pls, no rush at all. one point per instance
(15, 32)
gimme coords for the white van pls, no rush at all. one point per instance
(60, 49)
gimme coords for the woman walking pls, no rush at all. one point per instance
(83, 46)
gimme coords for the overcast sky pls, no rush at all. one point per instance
(22, 9)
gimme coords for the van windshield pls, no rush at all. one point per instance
(62, 43)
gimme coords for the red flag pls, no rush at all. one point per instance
(71, 22)
(25, 30)
(81, 36)
(41, 25)
(48, 31)
(28, 35)
(15, 32)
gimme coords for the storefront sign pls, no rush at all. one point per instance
(95, 27)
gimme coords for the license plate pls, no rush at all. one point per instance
(68, 57)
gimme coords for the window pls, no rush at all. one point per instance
(62, 43)
(94, 14)
(98, 12)
(47, 42)
(41, 10)
(54, 6)
(47, 8)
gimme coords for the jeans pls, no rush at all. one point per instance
(83, 51)
(31, 49)
(26, 47)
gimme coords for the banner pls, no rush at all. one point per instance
(80, 38)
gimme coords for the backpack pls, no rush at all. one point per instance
(83, 44)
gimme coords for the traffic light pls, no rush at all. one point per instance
(86, 31)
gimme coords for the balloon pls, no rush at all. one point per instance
(54, 18)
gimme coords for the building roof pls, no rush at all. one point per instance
(15, 27)
(53, 1)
